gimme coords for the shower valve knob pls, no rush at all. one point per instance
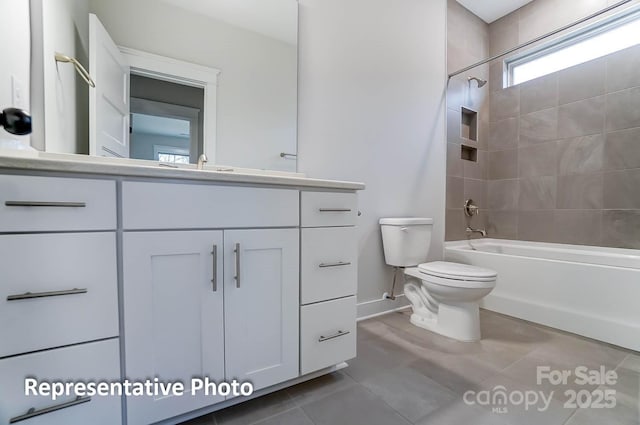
(470, 209)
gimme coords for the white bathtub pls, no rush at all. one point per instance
(589, 291)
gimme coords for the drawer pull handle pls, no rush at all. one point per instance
(237, 253)
(335, 335)
(214, 279)
(45, 204)
(335, 209)
(338, 264)
(32, 413)
(29, 295)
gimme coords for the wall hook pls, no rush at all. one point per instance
(79, 68)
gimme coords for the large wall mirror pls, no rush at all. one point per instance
(167, 80)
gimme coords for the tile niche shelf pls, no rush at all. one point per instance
(469, 124)
(469, 133)
(468, 153)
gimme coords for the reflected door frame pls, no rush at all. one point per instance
(185, 73)
(168, 110)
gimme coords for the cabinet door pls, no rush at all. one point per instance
(173, 317)
(261, 305)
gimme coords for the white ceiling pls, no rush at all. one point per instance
(274, 18)
(492, 10)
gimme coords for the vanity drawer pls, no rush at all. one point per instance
(328, 334)
(31, 204)
(93, 362)
(329, 257)
(57, 289)
(148, 205)
(328, 209)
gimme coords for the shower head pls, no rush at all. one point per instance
(480, 82)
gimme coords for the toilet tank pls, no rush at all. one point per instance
(406, 241)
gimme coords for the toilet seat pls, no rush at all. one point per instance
(454, 275)
(457, 271)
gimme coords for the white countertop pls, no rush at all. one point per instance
(39, 161)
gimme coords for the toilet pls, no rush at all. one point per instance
(444, 295)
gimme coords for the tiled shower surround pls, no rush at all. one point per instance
(562, 158)
(467, 43)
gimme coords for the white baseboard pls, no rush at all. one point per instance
(369, 309)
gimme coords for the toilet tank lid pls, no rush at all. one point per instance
(406, 221)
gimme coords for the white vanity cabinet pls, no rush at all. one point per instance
(221, 303)
(179, 279)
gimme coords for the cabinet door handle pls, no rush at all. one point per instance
(335, 209)
(214, 279)
(338, 264)
(32, 413)
(45, 204)
(28, 295)
(335, 335)
(237, 253)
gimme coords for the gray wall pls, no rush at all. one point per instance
(563, 161)
(371, 107)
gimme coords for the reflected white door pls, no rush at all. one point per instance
(109, 100)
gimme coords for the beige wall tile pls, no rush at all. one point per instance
(581, 155)
(623, 109)
(580, 191)
(503, 164)
(578, 227)
(621, 228)
(581, 118)
(622, 189)
(622, 149)
(503, 195)
(537, 193)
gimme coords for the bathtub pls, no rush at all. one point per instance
(589, 291)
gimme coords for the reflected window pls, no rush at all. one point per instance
(161, 138)
(171, 155)
(593, 42)
(173, 158)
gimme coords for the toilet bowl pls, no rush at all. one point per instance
(444, 296)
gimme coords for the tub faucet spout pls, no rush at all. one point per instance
(471, 231)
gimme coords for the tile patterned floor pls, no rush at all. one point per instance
(405, 375)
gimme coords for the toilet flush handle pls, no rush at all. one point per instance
(404, 229)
